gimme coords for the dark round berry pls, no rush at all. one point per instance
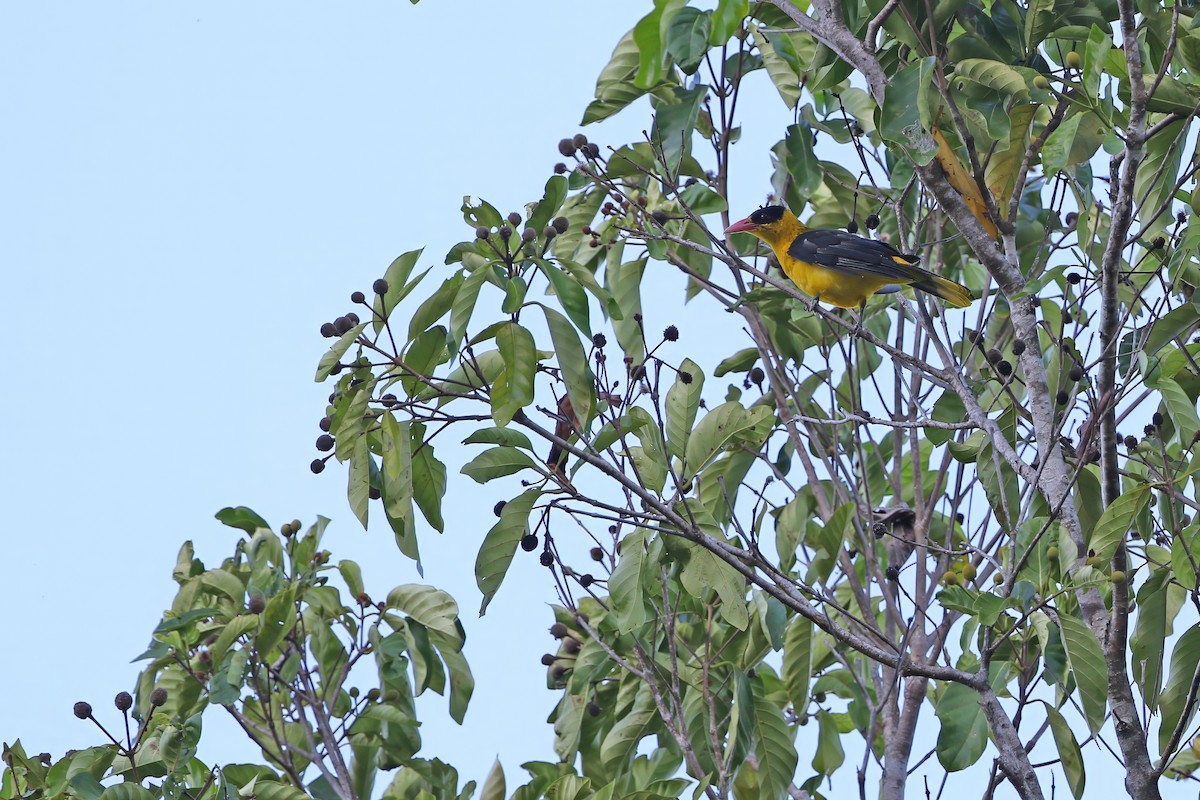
(591, 150)
(83, 710)
(374, 493)
(317, 466)
(549, 232)
(1131, 442)
(528, 235)
(1148, 430)
(660, 217)
(529, 542)
(671, 334)
(599, 340)
(380, 286)
(325, 442)
(482, 232)
(1074, 278)
(586, 230)
(586, 580)
(1067, 319)
(389, 400)
(559, 672)
(892, 572)
(594, 709)
(498, 509)
(566, 147)
(158, 697)
(976, 337)
(559, 630)
(546, 559)
(1071, 218)
(328, 331)
(1004, 368)
(597, 554)
(256, 604)
(1062, 397)
(1018, 347)
(960, 518)
(560, 168)
(505, 232)
(685, 377)
(547, 659)
(571, 646)
(851, 227)
(1075, 372)
(358, 297)
(325, 424)
(1158, 244)
(757, 375)
(123, 701)
(579, 140)
(1157, 419)
(341, 325)
(994, 356)
(637, 373)
(514, 219)
(561, 224)
(872, 221)
(353, 318)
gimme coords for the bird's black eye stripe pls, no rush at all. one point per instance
(766, 215)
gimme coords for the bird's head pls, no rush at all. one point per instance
(770, 223)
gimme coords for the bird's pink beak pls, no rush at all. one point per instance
(742, 226)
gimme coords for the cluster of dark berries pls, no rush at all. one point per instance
(340, 326)
(579, 144)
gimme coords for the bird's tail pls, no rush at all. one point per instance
(953, 293)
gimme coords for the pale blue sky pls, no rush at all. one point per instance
(189, 190)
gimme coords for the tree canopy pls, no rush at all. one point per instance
(929, 533)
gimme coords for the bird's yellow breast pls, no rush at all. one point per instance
(836, 288)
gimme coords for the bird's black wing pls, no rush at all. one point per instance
(854, 255)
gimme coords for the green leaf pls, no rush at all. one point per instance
(984, 606)
(1181, 408)
(705, 570)
(435, 306)
(741, 361)
(1184, 660)
(1116, 521)
(797, 661)
(724, 426)
(428, 480)
(683, 402)
(463, 305)
(1087, 664)
(336, 351)
(625, 583)
(496, 463)
(431, 607)
(673, 126)
(506, 436)
(624, 282)
(513, 390)
(649, 36)
(994, 75)
(782, 64)
(278, 619)
(829, 755)
(573, 361)
(397, 474)
(552, 200)
(243, 518)
(964, 733)
(777, 757)
(570, 293)
(905, 115)
(1068, 751)
(500, 545)
(1154, 186)
(1147, 644)
(1056, 153)
(727, 20)
(798, 173)
(396, 276)
(494, 787)
(126, 791)
(1175, 324)
(236, 628)
(687, 38)
(352, 574)
(358, 489)
(615, 87)
(631, 728)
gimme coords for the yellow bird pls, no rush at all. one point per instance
(839, 267)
